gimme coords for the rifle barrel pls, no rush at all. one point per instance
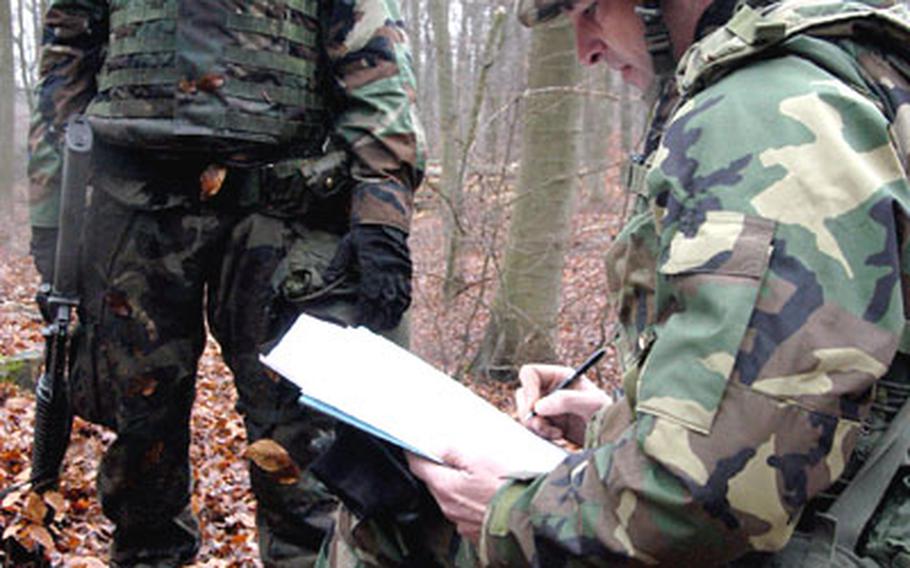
(76, 172)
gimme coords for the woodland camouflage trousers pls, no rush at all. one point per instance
(157, 264)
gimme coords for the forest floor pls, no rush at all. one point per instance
(445, 334)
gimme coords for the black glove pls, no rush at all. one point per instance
(43, 248)
(379, 257)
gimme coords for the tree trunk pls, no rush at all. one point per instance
(415, 36)
(38, 9)
(626, 122)
(448, 122)
(429, 90)
(22, 48)
(491, 48)
(599, 135)
(7, 108)
(523, 319)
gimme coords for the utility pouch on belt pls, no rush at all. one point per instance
(370, 476)
(312, 187)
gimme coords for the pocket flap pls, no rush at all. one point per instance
(727, 242)
(713, 278)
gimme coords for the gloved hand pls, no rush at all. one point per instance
(43, 248)
(380, 257)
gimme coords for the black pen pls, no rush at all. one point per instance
(579, 371)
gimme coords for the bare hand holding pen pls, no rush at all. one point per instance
(548, 405)
(553, 412)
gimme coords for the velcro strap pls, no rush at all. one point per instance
(855, 506)
(287, 128)
(633, 176)
(270, 60)
(754, 29)
(286, 96)
(306, 7)
(131, 77)
(134, 45)
(135, 108)
(272, 28)
(657, 37)
(136, 14)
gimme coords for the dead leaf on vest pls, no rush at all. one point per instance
(211, 180)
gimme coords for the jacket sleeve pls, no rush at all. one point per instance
(780, 303)
(376, 119)
(72, 51)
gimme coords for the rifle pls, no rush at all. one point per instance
(53, 417)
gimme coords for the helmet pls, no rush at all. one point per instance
(657, 37)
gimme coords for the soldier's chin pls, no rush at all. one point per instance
(636, 77)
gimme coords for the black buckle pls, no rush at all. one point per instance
(650, 14)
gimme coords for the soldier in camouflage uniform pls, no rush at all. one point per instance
(763, 285)
(253, 159)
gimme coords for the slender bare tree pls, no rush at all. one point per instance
(21, 39)
(38, 8)
(449, 132)
(7, 107)
(523, 320)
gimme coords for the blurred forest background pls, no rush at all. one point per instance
(520, 202)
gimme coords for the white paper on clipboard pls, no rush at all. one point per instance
(369, 382)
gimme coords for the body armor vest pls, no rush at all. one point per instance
(239, 80)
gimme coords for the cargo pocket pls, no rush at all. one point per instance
(711, 277)
(89, 391)
(300, 278)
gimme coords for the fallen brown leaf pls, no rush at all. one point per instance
(9, 502)
(35, 510)
(57, 502)
(18, 403)
(85, 562)
(41, 535)
(270, 457)
(13, 530)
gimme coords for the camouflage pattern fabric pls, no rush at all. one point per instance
(360, 543)
(142, 332)
(368, 65)
(761, 295)
(165, 252)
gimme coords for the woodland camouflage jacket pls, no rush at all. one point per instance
(764, 289)
(365, 60)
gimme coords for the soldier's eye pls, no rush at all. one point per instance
(591, 10)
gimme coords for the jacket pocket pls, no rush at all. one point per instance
(712, 278)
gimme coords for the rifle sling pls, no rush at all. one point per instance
(855, 506)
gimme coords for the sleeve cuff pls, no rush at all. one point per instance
(382, 203)
(497, 545)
